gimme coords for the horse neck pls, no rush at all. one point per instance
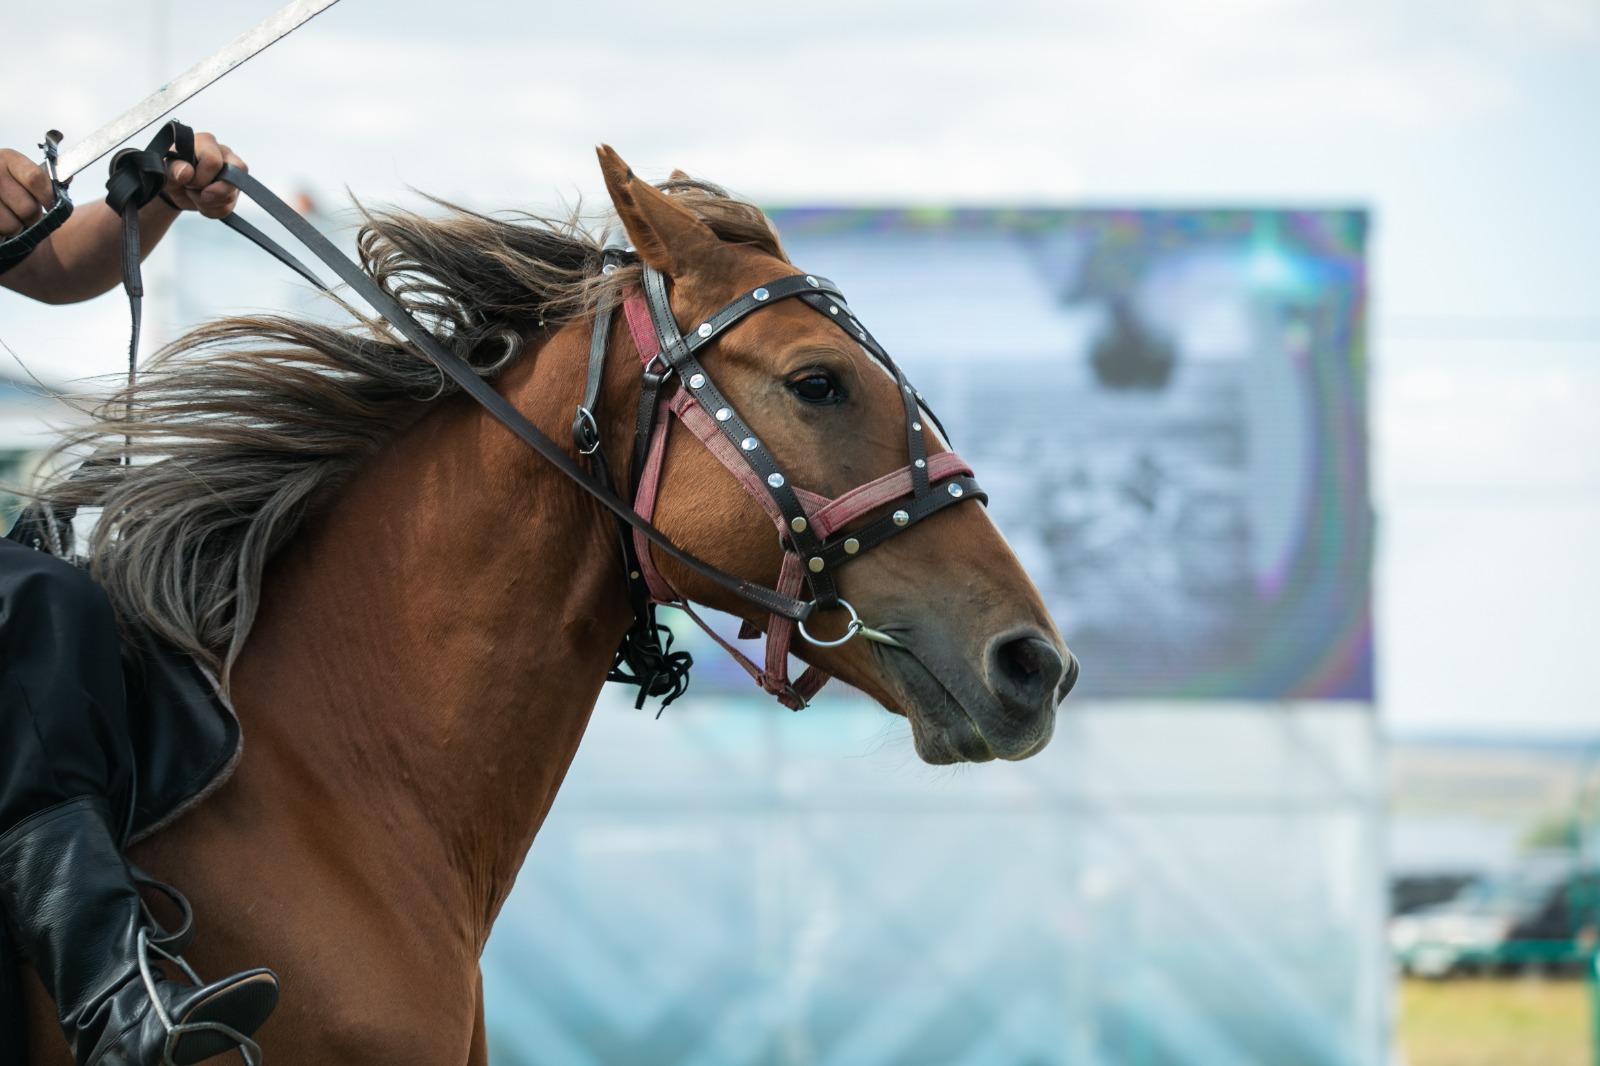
(432, 645)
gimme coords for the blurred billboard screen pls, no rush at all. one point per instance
(1168, 410)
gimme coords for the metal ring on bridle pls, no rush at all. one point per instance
(856, 625)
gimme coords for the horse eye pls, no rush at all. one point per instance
(816, 387)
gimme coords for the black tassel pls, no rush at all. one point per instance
(646, 659)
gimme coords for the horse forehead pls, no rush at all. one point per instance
(733, 271)
(764, 336)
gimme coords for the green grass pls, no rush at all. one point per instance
(1512, 1021)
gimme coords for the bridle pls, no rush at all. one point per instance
(813, 530)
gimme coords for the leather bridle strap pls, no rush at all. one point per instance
(644, 657)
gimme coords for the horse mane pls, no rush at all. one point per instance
(237, 430)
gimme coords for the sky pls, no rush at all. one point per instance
(1469, 128)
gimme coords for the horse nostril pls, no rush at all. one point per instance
(1070, 679)
(1027, 671)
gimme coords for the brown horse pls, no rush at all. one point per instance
(431, 616)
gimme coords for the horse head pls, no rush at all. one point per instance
(972, 658)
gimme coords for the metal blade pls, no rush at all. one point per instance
(163, 100)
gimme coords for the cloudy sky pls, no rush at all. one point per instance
(1471, 128)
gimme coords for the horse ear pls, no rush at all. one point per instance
(666, 235)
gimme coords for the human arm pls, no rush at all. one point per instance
(82, 258)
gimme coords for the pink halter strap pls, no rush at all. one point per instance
(826, 516)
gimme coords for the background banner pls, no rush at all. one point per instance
(1168, 409)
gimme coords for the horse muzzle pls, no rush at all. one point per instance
(962, 708)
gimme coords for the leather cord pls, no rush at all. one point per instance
(138, 176)
(17, 248)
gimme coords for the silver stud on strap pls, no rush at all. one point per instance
(697, 381)
(916, 427)
(798, 524)
(810, 280)
(748, 444)
(901, 518)
(920, 463)
(955, 490)
(704, 330)
(761, 294)
(833, 309)
(775, 480)
(723, 414)
(852, 546)
(815, 564)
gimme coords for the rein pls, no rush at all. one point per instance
(812, 530)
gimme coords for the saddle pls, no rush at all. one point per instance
(185, 735)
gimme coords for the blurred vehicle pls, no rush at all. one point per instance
(1412, 892)
(1527, 919)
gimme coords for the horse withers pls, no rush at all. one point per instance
(413, 614)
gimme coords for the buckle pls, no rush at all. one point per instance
(585, 432)
(666, 368)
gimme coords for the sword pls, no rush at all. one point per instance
(62, 165)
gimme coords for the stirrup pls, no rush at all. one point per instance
(175, 1031)
(178, 940)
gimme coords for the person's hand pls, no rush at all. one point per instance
(196, 188)
(24, 192)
